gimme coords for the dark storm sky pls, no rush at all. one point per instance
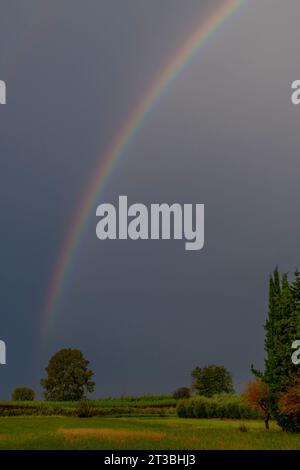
(224, 134)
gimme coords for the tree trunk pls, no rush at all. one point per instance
(267, 419)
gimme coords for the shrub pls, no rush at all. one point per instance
(218, 406)
(23, 394)
(289, 401)
(243, 428)
(182, 392)
(182, 409)
(85, 409)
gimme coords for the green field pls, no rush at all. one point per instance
(33, 432)
(158, 405)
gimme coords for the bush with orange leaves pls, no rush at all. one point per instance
(257, 396)
(289, 401)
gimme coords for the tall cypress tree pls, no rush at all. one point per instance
(281, 330)
(270, 326)
(295, 289)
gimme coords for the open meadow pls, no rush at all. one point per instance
(132, 433)
(139, 423)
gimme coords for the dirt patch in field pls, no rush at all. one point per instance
(109, 434)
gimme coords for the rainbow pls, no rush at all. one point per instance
(117, 148)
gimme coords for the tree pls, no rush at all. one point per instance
(68, 377)
(295, 290)
(23, 394)
(257, 396)
(289, 401)
(212, 380)
(282, 328)
(182, 392)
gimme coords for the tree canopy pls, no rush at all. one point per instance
(68, 377)
(23, 394)
(257, 396)
(212, 380)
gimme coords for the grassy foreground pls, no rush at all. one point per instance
(33, 432)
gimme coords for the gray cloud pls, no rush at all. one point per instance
(224, 134)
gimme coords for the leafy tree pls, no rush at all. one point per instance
(182, 392)
(68, 377)
(212, 380)
(257, 395)
(289, 401)
(23, 394)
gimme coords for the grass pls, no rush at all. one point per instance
(33, 432)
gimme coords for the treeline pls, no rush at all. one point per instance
(275, 392)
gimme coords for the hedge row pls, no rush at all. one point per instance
(224, 406)
(84, 411)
